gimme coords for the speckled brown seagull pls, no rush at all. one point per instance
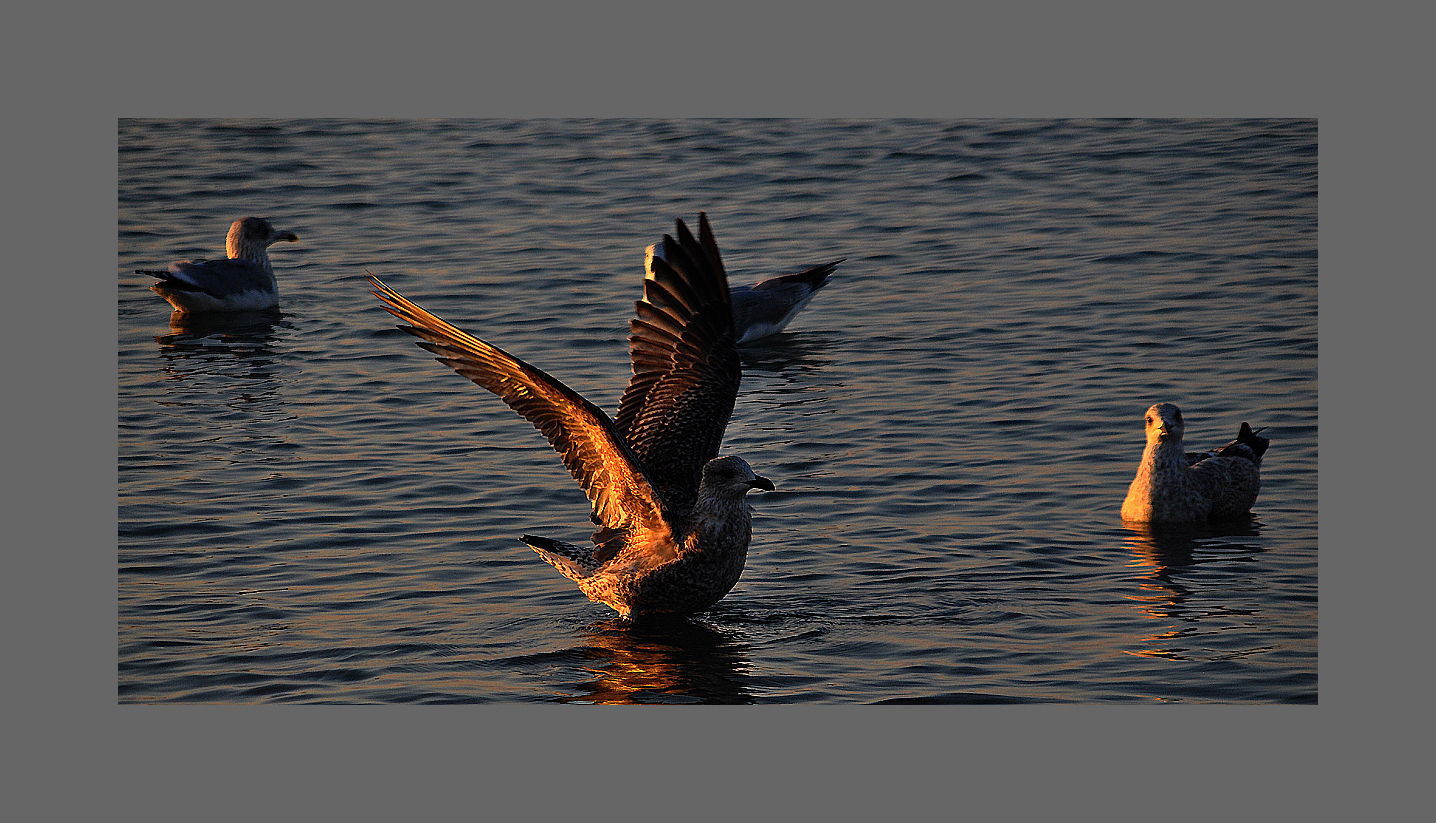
(1174, 486)
(673, 522)
(244, 282)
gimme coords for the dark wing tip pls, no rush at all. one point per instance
(817, 276)
(685, 363)
(1252, 440)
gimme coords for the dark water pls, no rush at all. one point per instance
(312, 510)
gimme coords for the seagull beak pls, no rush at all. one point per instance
(759, 482)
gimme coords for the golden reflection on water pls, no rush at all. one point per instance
(677, 661)
(1168, 551)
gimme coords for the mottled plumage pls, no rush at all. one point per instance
(1173, 486)
(673, 523)
(244, 282)
(767, 307)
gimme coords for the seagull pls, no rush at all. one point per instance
(1173, 486)
(674, 524)
(765, 308)
(244, 282)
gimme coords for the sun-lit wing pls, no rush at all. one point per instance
(612, 477)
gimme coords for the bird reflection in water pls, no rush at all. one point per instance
(672, 660)
(1172, 593)
(787, 353)
(240, 333)
(225, 361)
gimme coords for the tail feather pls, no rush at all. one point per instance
(573, 562)
(1247, 446)
(816, 277)
(1256, 444)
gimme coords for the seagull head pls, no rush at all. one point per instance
(1164, 422)
(253, 234)
(732, 475)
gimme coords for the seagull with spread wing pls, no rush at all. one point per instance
(674, 524)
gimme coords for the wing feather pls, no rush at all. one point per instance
(685, 367)
(594, 452)
(218, 278)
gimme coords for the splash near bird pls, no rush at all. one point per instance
(674, 524)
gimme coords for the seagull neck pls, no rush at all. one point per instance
(253, 252)
(1164, 456)
(718, 518)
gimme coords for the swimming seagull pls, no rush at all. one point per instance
(1173, 486)
(244, 282)
(673, 522)
(765, 308)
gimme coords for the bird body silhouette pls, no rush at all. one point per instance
(1175, 486)
(242, 282)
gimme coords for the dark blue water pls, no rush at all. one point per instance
(312, 510)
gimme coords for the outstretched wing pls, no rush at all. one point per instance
(591, 448)
(685, 366)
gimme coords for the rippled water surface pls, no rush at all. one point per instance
(313, 510)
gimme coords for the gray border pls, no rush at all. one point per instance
(667, 61)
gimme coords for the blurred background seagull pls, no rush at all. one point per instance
(1174, 486)
(244, 282)
(765, 308)
(673, 521)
